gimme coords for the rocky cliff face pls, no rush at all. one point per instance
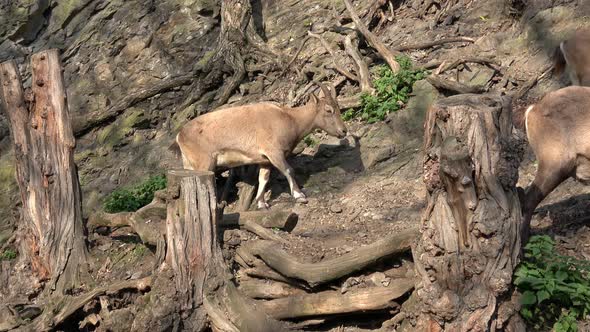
(110, 49)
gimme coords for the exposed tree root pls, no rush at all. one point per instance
(330, 50)
(362, 68)
(318, 273)
(434, 43)
(454, 86)
(374, 41)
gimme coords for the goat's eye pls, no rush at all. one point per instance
(329, 109)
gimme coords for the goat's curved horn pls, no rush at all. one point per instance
(333, 91)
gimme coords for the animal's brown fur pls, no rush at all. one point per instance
(558, 130)
(574, 53)
(261, 133)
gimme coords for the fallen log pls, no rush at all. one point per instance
(333, 302)
(318, 273)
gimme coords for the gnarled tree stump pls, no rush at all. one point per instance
(205, 295)
(470, 235)
(52, 230)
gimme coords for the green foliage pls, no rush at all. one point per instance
(309, 140)
(391, 91)
(134, 198)
(7, 255)
(555, 288)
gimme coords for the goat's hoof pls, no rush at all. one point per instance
(301, 200)
(263, 206)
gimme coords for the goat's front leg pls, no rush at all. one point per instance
(279, 161)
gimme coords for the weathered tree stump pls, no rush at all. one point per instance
(52, 232)
(470, 235)
(205, 295)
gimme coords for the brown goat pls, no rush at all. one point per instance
(558, 130)
(261, 133)
(574, 53)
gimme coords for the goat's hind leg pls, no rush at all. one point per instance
(281, 164)
(263, 177)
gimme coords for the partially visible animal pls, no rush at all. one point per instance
(262, 133)
(558, 131)
(573, 55)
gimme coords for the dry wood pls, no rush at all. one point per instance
(362, 68)
(470, 170)
(429, 44)
(330, 50)
(53, 239)
(202, 281)
(350, 102)
(334, 302)
(531, 83)
(454, 86)
(265, 289)
(317, 273)
(68, 305)
(281, 219)
(374, 41)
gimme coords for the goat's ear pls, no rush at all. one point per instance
(313, 98)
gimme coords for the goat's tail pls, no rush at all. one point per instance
(559, 61)
(175, 148)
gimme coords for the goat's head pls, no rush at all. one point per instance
(328, 116)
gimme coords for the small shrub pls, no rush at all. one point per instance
(392, 91)
(129, 200)
(7, 255)
(555, 288)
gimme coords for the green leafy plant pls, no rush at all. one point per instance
(133, 199)
(555, 288)
(310, 141)
(392, 91)
(7, 255)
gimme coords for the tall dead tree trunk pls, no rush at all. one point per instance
(205, 295)
(52, 232)
(470, 235)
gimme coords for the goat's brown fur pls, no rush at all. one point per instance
(262, 133)
(558, 131)
(574, 53)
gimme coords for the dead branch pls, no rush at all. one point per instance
(362, 68)
(373, 40)
(429, 44)
(334, 302)
(69, 305)
(454, 86)
(330, 50)
(318, 273)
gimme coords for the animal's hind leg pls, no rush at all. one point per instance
(263, 177)
(279, 161)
